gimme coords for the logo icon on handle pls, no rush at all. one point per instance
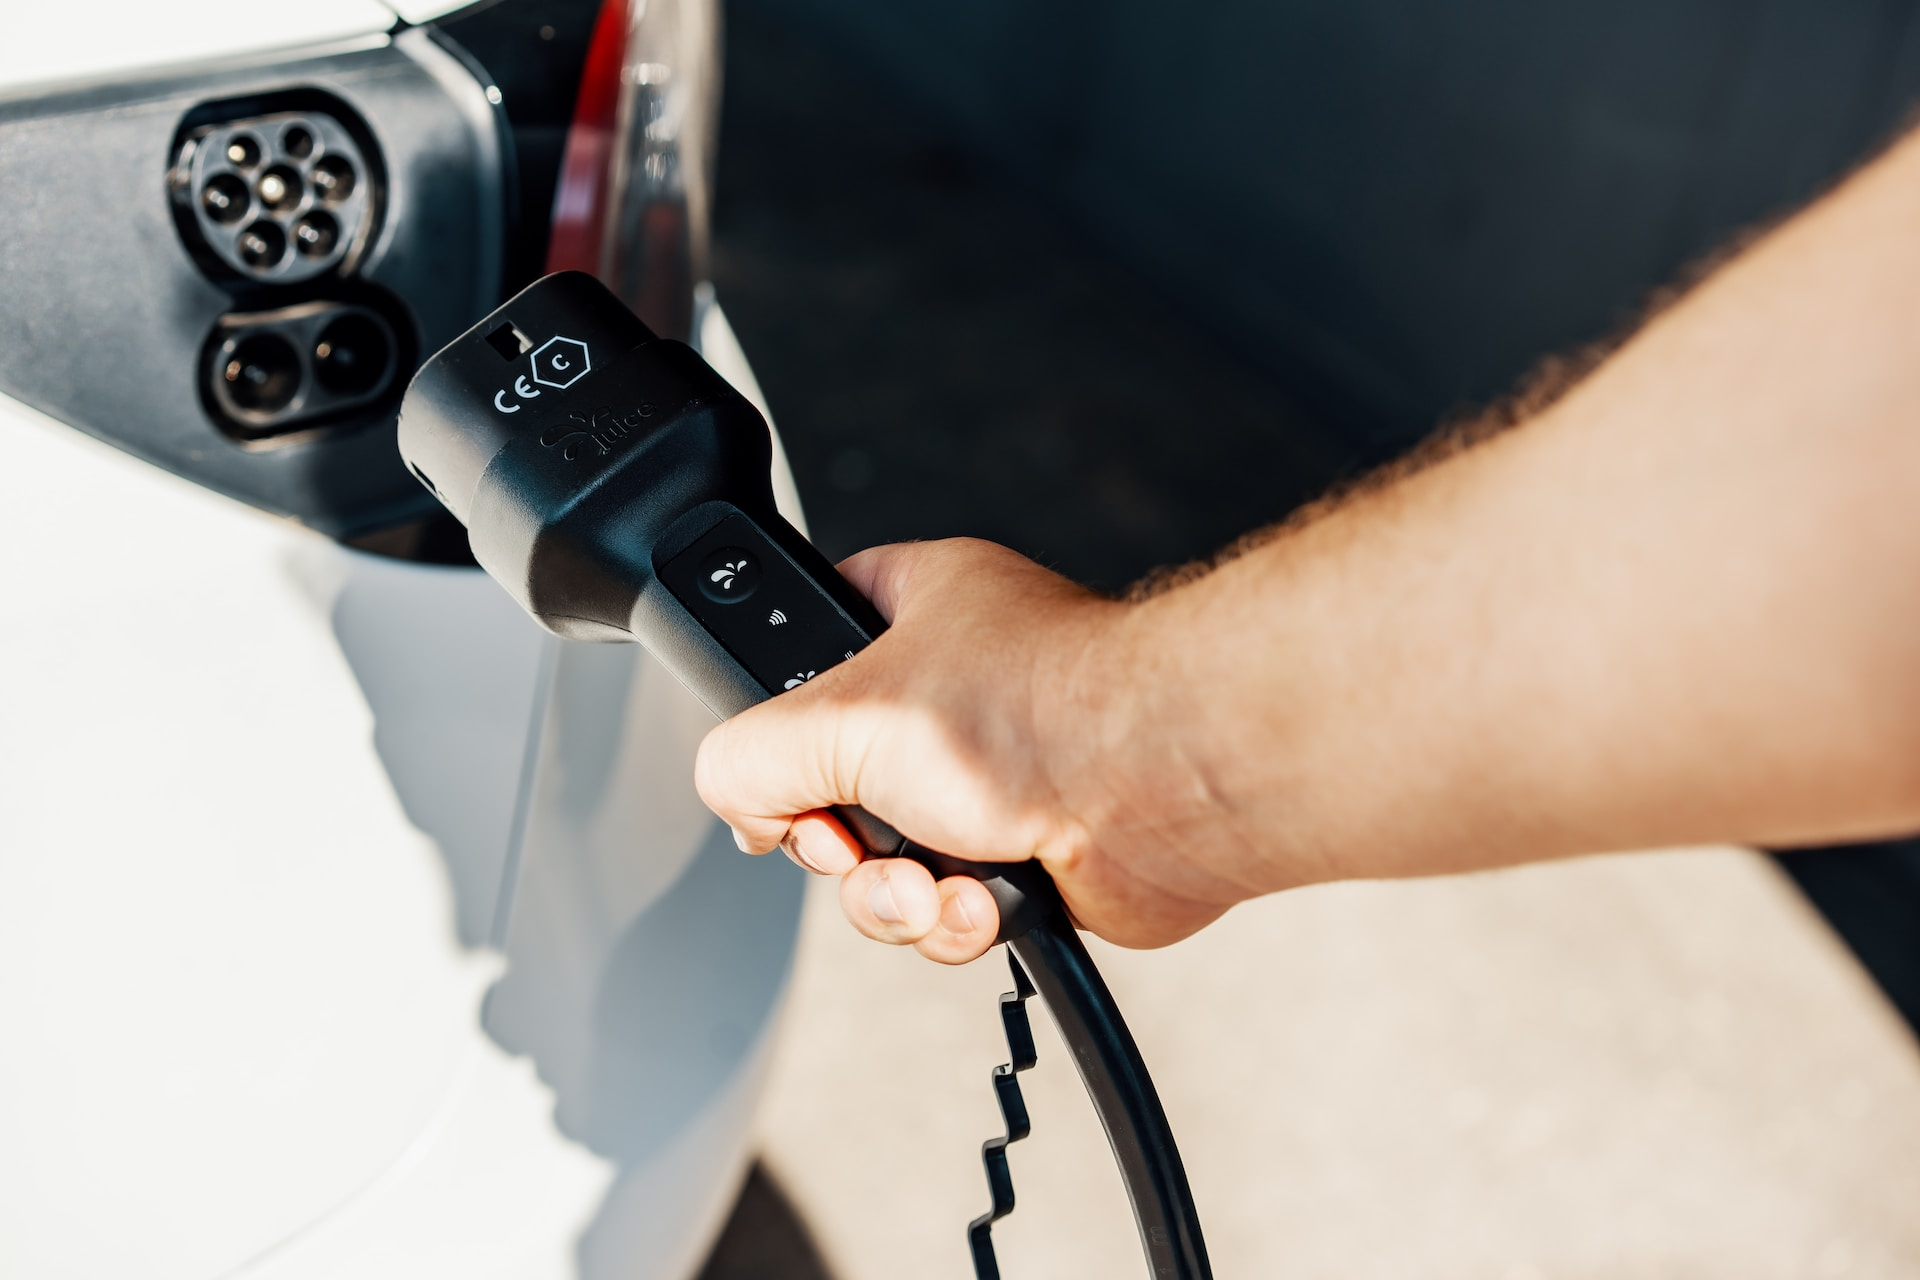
(728, 575)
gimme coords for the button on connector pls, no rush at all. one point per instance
(729, 575)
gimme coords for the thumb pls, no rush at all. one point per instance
(882, 574)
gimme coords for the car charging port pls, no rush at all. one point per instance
(276, 198)
(268, 374)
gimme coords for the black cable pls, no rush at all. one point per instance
(1013, 1109)
(1050, 959)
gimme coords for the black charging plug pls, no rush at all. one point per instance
(620, 489)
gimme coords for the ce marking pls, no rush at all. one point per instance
(520, 388)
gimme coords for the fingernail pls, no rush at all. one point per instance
(791, 847)
(739, 839)
(954, 916)
(880, 902)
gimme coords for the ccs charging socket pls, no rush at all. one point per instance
(270, 373)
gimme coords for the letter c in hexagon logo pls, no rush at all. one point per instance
(560, 362)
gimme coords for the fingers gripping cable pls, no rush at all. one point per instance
(619, 489)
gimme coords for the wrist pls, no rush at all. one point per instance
(1081, 703)
(1126, 743)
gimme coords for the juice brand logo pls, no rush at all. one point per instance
(559, 363)
(595, 432)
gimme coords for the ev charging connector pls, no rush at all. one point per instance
(620, 489)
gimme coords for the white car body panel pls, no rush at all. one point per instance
(349, 924)
(88, 40)
(419, 11)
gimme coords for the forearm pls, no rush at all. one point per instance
(1682, 605)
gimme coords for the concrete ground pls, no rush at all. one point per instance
(1663, 1065)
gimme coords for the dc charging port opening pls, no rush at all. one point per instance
(353, 355)
(262, 374)
(306, 367)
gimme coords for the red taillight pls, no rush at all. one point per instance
(631, 204)
(585, 192)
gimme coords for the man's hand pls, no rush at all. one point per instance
(993, 721)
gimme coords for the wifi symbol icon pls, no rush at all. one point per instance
(776, 618)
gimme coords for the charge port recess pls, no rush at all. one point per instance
(271, 373)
